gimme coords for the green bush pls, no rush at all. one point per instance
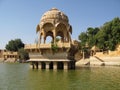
(54, 47)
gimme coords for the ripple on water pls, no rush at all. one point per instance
(20, 77)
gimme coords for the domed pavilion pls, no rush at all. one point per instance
(58, 54)
(54, 23)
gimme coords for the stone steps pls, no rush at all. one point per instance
(83, 62)
(96, 61)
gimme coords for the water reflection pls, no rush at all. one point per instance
(20, 77)
(47, 80)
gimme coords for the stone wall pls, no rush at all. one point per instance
(110, 53)
(62, 55)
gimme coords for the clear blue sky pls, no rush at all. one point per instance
(19, 18)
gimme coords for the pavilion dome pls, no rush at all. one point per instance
(54, 23)
(54, 14)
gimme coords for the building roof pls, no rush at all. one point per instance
(95, 48)
(118, 47)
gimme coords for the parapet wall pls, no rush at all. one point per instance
(62, 55)
(108, 54)
(45, 46)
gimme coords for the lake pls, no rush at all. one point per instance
(15, 76)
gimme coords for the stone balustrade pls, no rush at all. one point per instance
(34, 46)
(44, 46)
(10, 53)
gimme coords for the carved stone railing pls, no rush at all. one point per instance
(44, 46)
(10, 53)
(66, 45)
(34, 46)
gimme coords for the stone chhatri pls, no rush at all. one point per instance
(55, 55)
(54, 23)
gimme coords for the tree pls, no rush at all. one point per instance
(100, 37)
(111, 32)
(56, 39)
(23, 55)
(105, 37)
(83, 38)
(91, 32)
(14, 45)
(89, 36)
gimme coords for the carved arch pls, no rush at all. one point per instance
(47, 27)
(49, 33)
(60, 26)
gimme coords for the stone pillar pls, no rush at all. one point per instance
(39, 65)
(55, 65)
(36, 65)
(54, 36)
(40, 39)
(65, 65)
(44, 40)
(83, 55)
(32, 65)
(47, 65)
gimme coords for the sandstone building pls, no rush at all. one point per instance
(8, 56)
(56, 54)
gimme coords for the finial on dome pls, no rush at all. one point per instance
(54, 8)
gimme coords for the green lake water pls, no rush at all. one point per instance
(21, 77)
